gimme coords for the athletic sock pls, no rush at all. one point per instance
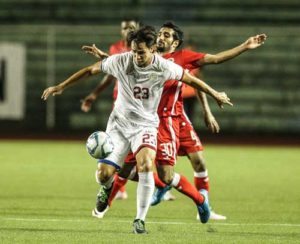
(201, 180)
(118, 183)
(145, 190)
(122, 189)
(184, 186)
(158, 182)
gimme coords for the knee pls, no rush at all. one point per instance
(145, 161)
(104, 174)
(145, 165)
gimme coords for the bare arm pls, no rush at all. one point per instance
(73, 79)
(209, 119)
(251, 43)
(200, 85)
(87, 102)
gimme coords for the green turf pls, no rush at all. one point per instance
(47, 191)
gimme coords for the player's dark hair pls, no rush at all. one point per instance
(145, 34)
(178, 33)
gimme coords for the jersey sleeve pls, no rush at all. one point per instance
(190, 58)
(173, 71)
(111, 64)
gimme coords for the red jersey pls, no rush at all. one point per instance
(116, 48)
(171, 103)
(188, 91)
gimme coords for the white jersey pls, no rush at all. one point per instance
(139, 88)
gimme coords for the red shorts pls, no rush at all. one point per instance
(167, 140)
(189, 141)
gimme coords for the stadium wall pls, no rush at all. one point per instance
(263, 84)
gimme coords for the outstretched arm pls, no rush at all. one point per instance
(220, 97)
(87, 102)
(73, 79)
(251, 43)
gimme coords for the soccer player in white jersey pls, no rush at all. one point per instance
(133, 122)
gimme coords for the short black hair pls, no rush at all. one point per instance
(145, 34)
(178, 33)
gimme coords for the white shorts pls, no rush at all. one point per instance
(128, 138)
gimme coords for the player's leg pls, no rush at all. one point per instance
(119, 190)
(166, 151)
(106, 170)
(129, 172)
(145, 158)
(191, 146)
(168, 143)
(144, 146)
(104, 176)
(201, 179)
(121, 179)
(180, 183)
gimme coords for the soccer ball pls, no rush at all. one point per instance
(99, 145)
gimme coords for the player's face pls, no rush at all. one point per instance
(165, 39)
(126, 27)
(141, 53)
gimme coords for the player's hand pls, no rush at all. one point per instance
(93, 50)
(222, 98)
(52, 90)
(211, 123)
(87, 103)
(255, 41)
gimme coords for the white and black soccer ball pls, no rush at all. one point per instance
(99, 145)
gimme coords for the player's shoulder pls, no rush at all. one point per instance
(120, 59)
(187, 52)
(116, 47)
(190, 53)
(176, 55)
(125, 55)
(163, 63)
(160, 61)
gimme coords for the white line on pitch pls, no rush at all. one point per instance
(151, 222)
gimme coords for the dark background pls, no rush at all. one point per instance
(263, 84)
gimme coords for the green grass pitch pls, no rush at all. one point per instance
(47, 192)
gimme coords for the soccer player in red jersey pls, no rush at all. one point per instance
(121, 46)
(178, 135)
